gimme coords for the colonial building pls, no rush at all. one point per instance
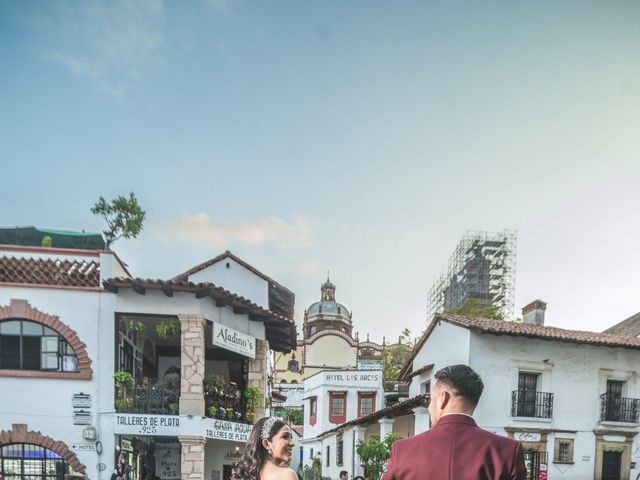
(571, 397)
(328, 342)
(101, 370)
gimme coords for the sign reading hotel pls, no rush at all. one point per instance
(230, 339)
(353, 377)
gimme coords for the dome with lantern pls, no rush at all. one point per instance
(327, 314)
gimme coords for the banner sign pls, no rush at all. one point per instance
(139, 424)
(167, 460)
(231, 339)
(223, 430)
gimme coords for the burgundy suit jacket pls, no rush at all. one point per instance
(456, 449)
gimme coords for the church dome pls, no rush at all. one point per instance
(327, 314)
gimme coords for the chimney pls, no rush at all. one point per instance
(533, 313)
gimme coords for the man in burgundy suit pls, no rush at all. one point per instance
(455, 448)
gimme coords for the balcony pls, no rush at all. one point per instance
(614, 408)
(225, 401)
(531, 404)
(150, 396)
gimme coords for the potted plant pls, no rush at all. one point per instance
(123, 381)
(213, 410)
(229, 414)
(168, 329)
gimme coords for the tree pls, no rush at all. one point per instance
(472, 308)
(123, 215)
(375, 454)
(394, 357)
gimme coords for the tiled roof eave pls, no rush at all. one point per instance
(280, 330)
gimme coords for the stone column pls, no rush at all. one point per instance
(386, 426)
(192, 457)
(257, 375)
(420, 419)
(192, 364)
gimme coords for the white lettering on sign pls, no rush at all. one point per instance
(147, 424)
(528, 436)
(233, 340)
(223, 430)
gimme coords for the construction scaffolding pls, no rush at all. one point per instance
(482, 267)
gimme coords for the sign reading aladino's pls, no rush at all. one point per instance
(234, 340)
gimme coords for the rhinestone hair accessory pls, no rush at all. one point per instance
(267, 426)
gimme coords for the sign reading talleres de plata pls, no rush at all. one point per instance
(234, 340)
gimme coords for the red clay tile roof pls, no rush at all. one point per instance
(502, 327)
(50, 272)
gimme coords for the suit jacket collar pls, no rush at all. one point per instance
(456, 418)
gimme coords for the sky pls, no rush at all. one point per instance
(361, 138)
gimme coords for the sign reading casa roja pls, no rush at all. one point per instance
(234, 340)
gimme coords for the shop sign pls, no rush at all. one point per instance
(223, 430)
(369, 365)
(133, 424)
(126, 445)
(167, 460)
(231, 339)
(528, 436)
(233, 454)
(81, 404)
(83, 447)
(542, 471)
(350, 378)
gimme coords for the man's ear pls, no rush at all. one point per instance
(443, 399)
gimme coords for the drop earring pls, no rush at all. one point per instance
(269, 451)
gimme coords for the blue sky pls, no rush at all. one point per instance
(362, 138)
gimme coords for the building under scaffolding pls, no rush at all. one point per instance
(482, 267)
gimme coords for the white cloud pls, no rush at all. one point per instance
(201, 229)
(109, 43)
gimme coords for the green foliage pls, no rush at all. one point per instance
(295, 415)
(123, 215)
(375, 453)
(395, 356)
(168, 329)
(253, 396)
(47, 241)
(124, 382)
(214, 384)
(472, 308)
(136, 325)
(314, 472)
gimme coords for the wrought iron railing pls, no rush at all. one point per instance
(531, 404)
(150, 396)
(614, 408)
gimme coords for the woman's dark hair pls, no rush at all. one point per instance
(254, 453)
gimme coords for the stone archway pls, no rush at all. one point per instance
(20, 434)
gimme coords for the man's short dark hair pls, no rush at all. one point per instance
(464, 380)
(343, 472)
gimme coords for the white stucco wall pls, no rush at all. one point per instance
(576, 374)
(331, 351)
(44, 404)
(237, 279)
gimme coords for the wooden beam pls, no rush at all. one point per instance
(242, 310)
(166, 289)
(136, 287)
(203, 292)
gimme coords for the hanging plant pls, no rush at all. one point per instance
(133, 325)
(168, 329)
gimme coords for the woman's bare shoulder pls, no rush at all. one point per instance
(279, 473)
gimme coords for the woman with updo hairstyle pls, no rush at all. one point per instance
(267, 453)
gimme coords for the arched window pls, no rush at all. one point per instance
(23, 461)
(283, 381)
(27, 345)
(293, 366)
